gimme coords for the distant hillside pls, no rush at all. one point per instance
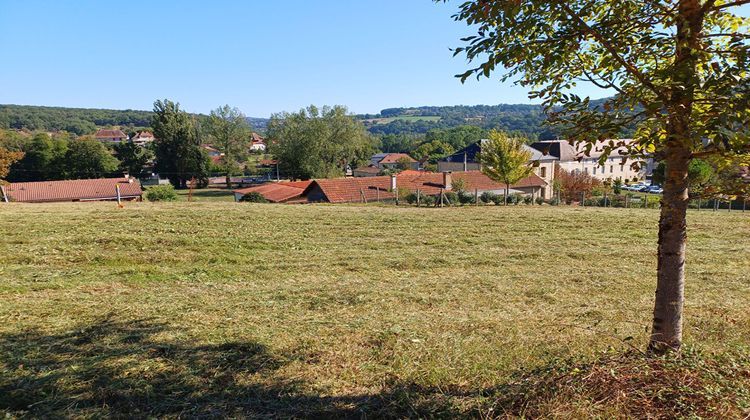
(527, 119)
(75, 120)
(82, 120)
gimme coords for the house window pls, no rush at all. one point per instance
(544, 172)
(611, 168)
(586, 170)
(594, 170)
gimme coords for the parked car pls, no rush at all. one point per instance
(655, 189)
(645, 188)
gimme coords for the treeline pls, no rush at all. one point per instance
(79, 121)
(525, 119)
(528, 120)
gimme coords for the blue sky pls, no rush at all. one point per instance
(261, 56)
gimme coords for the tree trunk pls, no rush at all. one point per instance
(229, 181)
(666, 332)
(507, 190)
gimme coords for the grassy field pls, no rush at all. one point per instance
(207, 195)
(220, 309)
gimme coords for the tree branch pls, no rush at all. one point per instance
(629, 67)
(728, 5)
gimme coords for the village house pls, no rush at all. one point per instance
(466, 160)
(102, 189)
(143, 138)
(392, 161)
(257, 143)
(365, 171)
(111, 136)
(573, 158)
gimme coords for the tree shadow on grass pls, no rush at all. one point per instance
(114, 368)
(127, 369)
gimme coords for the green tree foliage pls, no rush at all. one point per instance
(229, 132)
(59, 157)
(88, 158)
(318, 142)
(399, 143)
(700, 173)
(253, 197)
(504, 159)
(44, 159)
(178, 151)
(679, 70)
(132, 157)
(458, 137)
(161, 193)
(433, 151)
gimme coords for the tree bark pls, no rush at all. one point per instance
(666, 332)
(507, 190)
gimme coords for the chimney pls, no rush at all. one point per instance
(447, 180)
(393, 182)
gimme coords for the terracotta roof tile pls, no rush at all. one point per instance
(395, 157)
(277, 192)
(73, 190)
(347, 190)
(110, 134)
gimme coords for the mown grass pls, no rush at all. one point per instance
(223, 309)
(207, 194)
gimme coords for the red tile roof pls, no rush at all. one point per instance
(73, 190)
(257, 139)
(277, 192)
(395, 157)
(144, 135)
(346, 190)
(351, 190)
(110, 134)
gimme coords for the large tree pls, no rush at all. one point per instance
(677, 68)
(229, 133)
(87, 157)
(504, 159)
(44, 159)
(179, 155)
(318, 142)
(132, 157)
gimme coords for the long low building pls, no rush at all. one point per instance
(382, 188)
(101, 189)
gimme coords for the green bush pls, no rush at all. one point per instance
(488, 197)
(554, 201)
(161, 193)
(515, 198)
(253, 197)
(527, 200)
(539, 200)
(498, 199)
(451, 198)
(465, 197)
(427, 200)
(411, 198)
